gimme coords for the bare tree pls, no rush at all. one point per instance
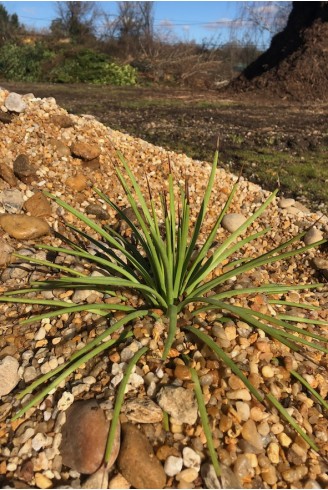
(76, 20)
(132, 27)
(260, 19)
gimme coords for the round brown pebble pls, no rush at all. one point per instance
(137, 461)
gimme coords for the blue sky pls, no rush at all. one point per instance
(188, 20)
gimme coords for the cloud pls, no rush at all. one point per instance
(166, 24)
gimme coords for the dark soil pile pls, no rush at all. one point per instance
(296, 64)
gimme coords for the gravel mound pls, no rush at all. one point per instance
(68, 155)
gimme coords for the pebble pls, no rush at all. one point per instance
(180, 403)
(5, 118)
(182, 372)
(99, 479)
(39, 441)
(228, 478)
(7, 174)
(285, 203)
(188, 475)
(321, 264)
(269, 475)
(23, 170)
(232, 221)
(77, 182)
(294, 474)
(14, 102)
(98, 211)
(243, 410)
(312, 236)
(30, 373)
(273, 452)
(173, 465)
(284, 440)
(40, 334)
(250, 434)
(9, 376)
(191, 459)
(5, 252)
(267, 372)
(61, 120)
(143, 411)
(243, 467)
(12, 200)
(24, 227)
(311, 484)
(118, 481)
(41, 481)
(65, 401)
(38, 205)
(243, 394)
(137, 461)
(84, 437)
(85, 151)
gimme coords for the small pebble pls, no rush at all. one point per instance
(188, 475)
(191, 459)
(273, 452)
(42, 481)
(173, 465)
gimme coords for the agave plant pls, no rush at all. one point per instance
(170, 271)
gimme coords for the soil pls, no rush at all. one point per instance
(271, 138)
(296, 63)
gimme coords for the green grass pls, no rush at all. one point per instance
(298, 176)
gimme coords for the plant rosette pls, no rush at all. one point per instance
(172, 275)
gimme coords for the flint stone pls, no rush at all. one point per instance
(286, 203)
(312, 236)
(23, 170)
(5, 118)
(143, 411)
(137, 461)
(232, 221)
(9, 377)
(85, 436)
(97, 211)
(227, 479)
(77, 182)
(7, 174)
(15, 103)
(180, 403)
(85, 151)
(12, 200)
(24, 227)
(61, 120)
(38, 205)
(250, 434)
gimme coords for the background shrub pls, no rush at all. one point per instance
(36, 63)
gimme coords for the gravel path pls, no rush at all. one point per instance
(42, 148)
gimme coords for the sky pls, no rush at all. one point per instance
(187, 20)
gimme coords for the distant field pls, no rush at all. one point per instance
(273, 140)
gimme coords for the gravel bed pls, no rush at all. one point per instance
(68, 155)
